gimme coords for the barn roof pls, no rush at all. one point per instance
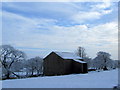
(79, 61)
(68, 55)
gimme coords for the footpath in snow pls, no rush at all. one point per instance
(103, 79)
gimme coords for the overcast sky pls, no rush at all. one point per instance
(37, 28)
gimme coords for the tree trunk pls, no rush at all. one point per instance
(105, 68)
(8, 75)
(32, 73)
(27, 74)
(37, 72)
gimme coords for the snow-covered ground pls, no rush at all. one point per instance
(103, 79)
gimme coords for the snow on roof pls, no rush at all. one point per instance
(68, 55)
(79, 61)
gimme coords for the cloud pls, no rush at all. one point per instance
(102, 5)
(59, 37)
(42, 9)
(95, 12)
(85, 16)
(21, 28)
(42, 32)
(72, 13)
(59, 0)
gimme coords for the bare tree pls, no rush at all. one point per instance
(30, 67)
(39, 65)
(17, 66)
(8, 56)
(34, 65)
(81, 52)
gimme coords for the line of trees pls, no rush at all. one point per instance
(14, 63)
(101, 62)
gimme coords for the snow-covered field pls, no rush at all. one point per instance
(103, 79)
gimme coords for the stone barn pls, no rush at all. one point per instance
(61, 63)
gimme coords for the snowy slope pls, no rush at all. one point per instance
(104, 79)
